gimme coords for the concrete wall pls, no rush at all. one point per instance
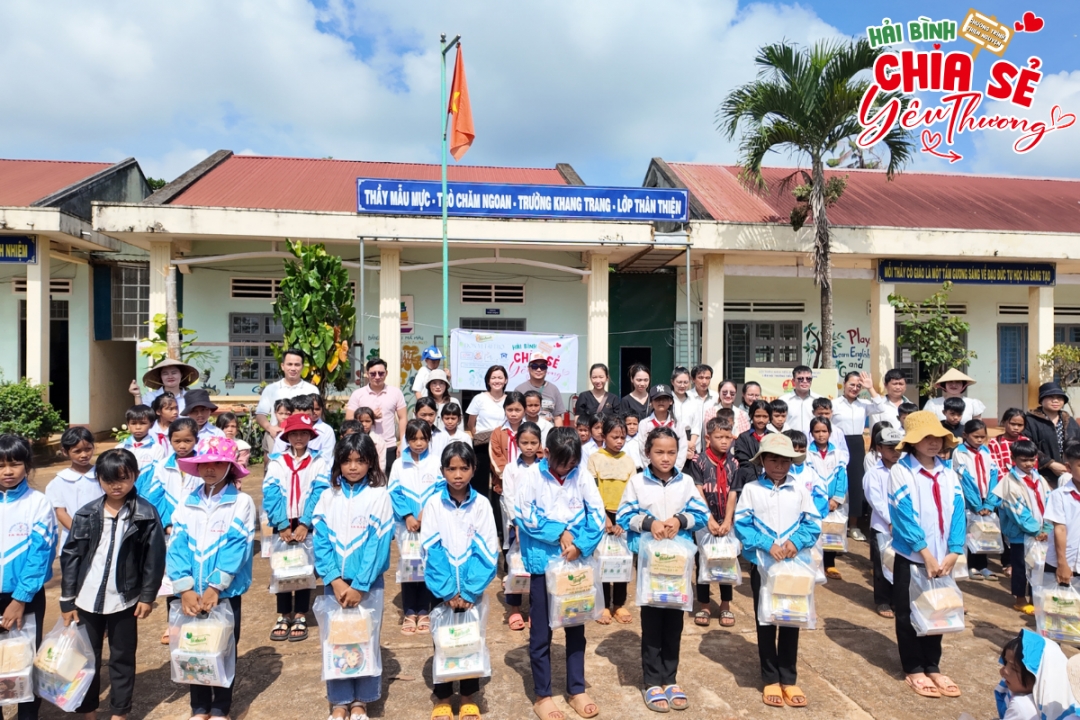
(112, 367)
(9, 317)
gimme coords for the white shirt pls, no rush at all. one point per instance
(876, 490)
(887, 412)
(688, 412)
(800, 411)
(489, 413)
(322, 444)
(635, 450)
(972, 408)
(419, 386)
(696, 420)
(1022, 707)
(278, 390)
(70, 490)
(441, 439)
(1063, 509)
(149, 398)
(112, 533)
(850, 417)
(905, 477)
(650, 423)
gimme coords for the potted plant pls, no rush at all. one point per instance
(230, 383)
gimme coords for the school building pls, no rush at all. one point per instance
(620, 286)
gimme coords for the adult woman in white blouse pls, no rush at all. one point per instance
(484, 414)
(849, 417)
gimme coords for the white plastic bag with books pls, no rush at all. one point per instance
(1034, 558)
(64, 666)
(574, 591)
(460, 636)
(984, 534)
(292, 565)
(410, 556)
(834, 531)
(787, 591)
(17, 649)
(1057, 611)
(718, 558)
(517, 577)
(666, 572)
(616, 560)
(350, 636)
(202, 648)
(888, 555)
(937, 605)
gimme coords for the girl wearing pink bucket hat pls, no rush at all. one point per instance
(209, 557)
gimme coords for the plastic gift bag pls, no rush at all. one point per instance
(787, 591)
(517, 577)
(984, 534)
(937, 605)
(1057, 612)
(666, 572)
(202, 648)
(266, 537)
(718, 560)
(17, 650)
(574, 593)
(960, 570)
(461, 650)
(292, 565)
(888, 555)
(817, 560)
(64, 666)
(834, 531)
(411, 556)
(616, 560)
(350, 636)
(1034, 558)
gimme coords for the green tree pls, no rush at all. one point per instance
(155, 347)
(934, 335)
(1062, 362)
(156, 183)
(807, 100)
(23, 411)
(317, 312)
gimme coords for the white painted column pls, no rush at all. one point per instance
(712, 317)
(37, 316)
(80, 347)
(1040, 338)
(390, 314)
(597, 326)
(160, 259)
(882, 331)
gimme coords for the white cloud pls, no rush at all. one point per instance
(603, 86)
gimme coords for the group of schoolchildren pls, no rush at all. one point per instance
(137, 516)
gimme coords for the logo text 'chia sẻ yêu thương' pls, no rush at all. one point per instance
(898, 74)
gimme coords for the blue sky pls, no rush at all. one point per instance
(603, 85)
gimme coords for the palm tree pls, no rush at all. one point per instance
(807, 99)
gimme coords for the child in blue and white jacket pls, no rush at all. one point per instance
(559, 512)
(353, 527)
(1024, 494)
(461, 549)
(978, 473)
(666, 503)
(776, 515)
(929, 527)
(414, 478)
(27, 544)
(209, 555)
(824, 457)
(807, 475)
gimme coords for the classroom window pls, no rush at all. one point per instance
(1012, 354)
(253, 360)
(681, 358)
(130, 301)
(493, 324)
(760, 344)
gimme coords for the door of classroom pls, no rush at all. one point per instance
(59, 377)
(641, 326)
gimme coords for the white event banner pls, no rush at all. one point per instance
(473, 352)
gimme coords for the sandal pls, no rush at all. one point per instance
(546, 709)
(925, 687)
(653, 696)
(727, 618)
(945, 685)
(793, 696)
(423, 625)
(516, 622)
(581, 704)
(702, 617)
(1027, 609)
(623, 616)
(358, 711)
(442, 711)
(605, 617)
(469, 711)
(674, 694)
(299, 629)
(773, 695)
(885, 611)
(408, 625)
(281, 629)
(833, 574)
(343, 708)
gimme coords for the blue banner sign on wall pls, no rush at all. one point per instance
(556, 202)
(18, 249)
(966, 272)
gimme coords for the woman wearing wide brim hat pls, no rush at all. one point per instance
(1050, 428)
(954, 384)
(167, 376)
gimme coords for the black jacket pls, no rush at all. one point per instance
(1042, 432)
(139, 566)
(743, 449)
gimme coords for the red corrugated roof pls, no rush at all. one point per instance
(24, 181)
(277, 183)
(910, 200)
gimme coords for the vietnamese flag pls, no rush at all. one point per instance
(461, 124)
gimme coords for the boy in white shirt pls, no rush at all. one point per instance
(431, 356)
(1063, 510)
(876, 491)
(140, 442)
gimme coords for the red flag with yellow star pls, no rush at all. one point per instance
(461, 122)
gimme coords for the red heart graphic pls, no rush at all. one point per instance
(937, 46)
(1019, 26)
(930, 140)
(1060, 119)
(1032, 22)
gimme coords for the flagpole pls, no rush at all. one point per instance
(445, 47)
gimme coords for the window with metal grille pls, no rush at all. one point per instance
(250, 356)
(57, 286)
(760, 344)
(492, 293)
(681, 357)
(254, 287)
(493, 324)
(130, 301)
(1012, 354)
(764, 306)
(1063, 310)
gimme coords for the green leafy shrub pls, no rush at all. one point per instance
(23, 411)
(250, 432)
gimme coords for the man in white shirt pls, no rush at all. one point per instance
(800, 401)
(291, 385)
(704, 400)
